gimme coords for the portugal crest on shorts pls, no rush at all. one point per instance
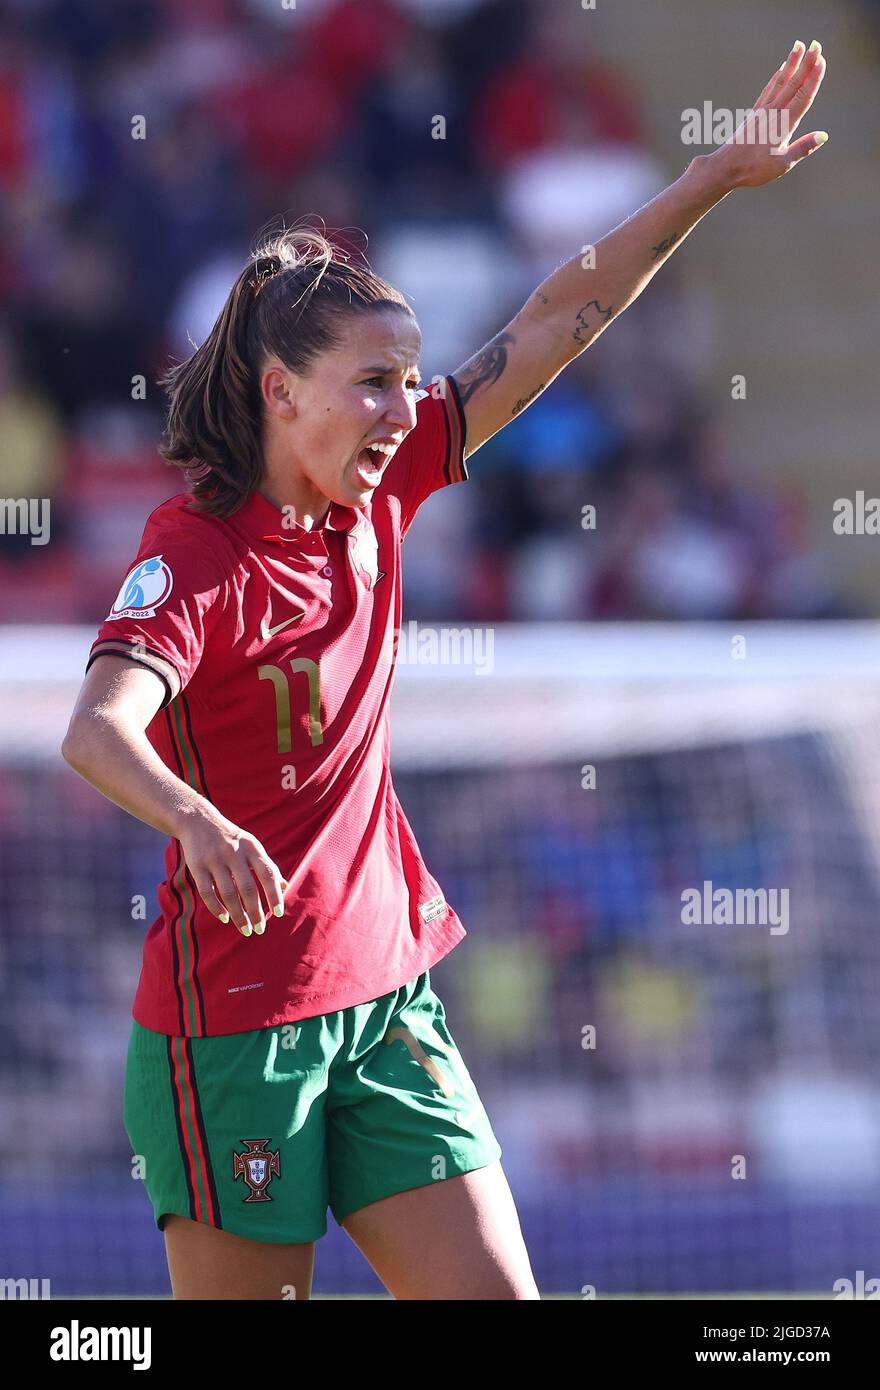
(257, 1167)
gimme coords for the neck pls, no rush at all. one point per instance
(311, 517)
(284, 486)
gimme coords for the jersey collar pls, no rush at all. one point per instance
(261, 520)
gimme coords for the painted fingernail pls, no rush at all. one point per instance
(815, 46)
(259, 927)
(224, 917)
(821, 137)
(278, 909)
(246, 929)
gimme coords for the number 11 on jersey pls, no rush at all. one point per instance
(282, 700)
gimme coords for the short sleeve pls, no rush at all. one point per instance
(166, 606)
(432, 455)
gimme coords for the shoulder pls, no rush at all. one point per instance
(196, 540)
(178, 516)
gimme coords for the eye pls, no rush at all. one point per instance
(379, 381)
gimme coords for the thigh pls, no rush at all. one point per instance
(205, 1263)
(402, 1109)
(455, 1239)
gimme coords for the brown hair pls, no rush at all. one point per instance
(288, 301)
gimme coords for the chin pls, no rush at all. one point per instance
(359, 493)
(356, 496)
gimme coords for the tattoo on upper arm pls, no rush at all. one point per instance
(665, 245)
(486, 367)
(585, 331)
(526, 400)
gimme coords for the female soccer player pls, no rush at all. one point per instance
(287, 1050)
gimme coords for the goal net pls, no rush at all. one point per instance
(664, 842)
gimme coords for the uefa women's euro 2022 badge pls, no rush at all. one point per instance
(143, 590)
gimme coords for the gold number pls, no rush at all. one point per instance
(282, 703)
(282, 700)
(302, 663)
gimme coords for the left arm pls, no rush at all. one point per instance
(573, 306)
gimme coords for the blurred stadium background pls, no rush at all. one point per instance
(749, 765)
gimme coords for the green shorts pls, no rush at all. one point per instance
(257, 1133)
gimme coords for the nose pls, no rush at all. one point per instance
(401, 409)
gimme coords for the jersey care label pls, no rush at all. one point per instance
(434, 907)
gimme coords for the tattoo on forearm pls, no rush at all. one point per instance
(486, 367)
(584, 332)
(665, 245)
(526, 400)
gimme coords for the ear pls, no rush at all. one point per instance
(277, 391)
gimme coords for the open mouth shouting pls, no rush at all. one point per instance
(373, 460)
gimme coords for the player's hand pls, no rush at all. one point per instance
(762, 149)
(230, 868)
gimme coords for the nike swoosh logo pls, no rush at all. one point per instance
(267, 632)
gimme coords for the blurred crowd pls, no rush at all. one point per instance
(478, 143)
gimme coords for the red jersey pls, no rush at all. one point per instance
(277, 647)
